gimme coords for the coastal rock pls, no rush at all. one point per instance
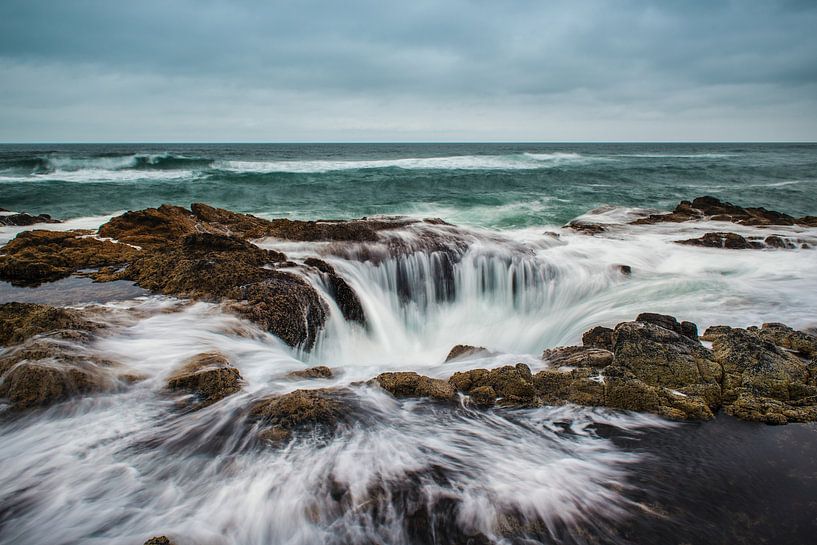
(320, 371)
(209, 376)
(218, 268)
(283, 414)
(410, 384)
(361, 230)
(687, 329)
(586, 228)
(513, 385)
(711, 208)
(20, 321)
(34, 257)
(803, 343)
(464, 350)
(159, 540)
(581, 386)
(578, 356)
(598, 337)
(340, 290)
(44, 371)
(729, 241)
(660, 357)
(23, 219)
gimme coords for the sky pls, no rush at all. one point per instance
(413, 70)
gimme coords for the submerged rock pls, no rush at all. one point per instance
(159, 540)
(410, 384)
(34, 257)
(209, 376)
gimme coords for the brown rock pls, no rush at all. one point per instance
(320, 371)
(512, 384)
(209, 376)
(340, 290)
(598, 337)
(578, 356)
(410, 384)
(716, 210)
(464, 350)
(24, 219)
(20, 321)
(782, 335)
(323, 408)
(34, 257)
(729, 241)
(159, 540)
(586, 228)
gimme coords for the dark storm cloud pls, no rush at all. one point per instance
(460, 69)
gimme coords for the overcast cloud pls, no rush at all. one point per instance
(456, 70)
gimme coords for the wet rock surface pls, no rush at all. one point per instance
(713, 209)
(23, 219)
(340, 290)
(321, 371)
(410, 384)
(208, 376)
(20, 321)
(34, 257)
(465, 350)
(281, 415)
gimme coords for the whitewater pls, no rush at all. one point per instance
(121, 467)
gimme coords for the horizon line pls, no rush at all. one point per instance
(314, 142)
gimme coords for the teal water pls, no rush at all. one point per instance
(489, 185)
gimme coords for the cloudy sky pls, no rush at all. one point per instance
(410, 70)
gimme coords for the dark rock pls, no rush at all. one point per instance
(483, 396)
(716, 210)
(580, 386)
(362, 230)
(340, 290)
(209, 376)
(320, 371)
(586, 227)
(578, 356)
(24, 220)
(729, 241)
(687, 329)
(776, 241)
(598, 337)
(20, 321)
(626, 270)
(464, 350)
(410, 384)
(34, 257)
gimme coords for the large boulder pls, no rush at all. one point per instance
(34, 257)
(661, 357)
(222, 268)
(410, 384)
(713, 209)
(598, 337)
(208, 376)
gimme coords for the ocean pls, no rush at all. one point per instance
(121, 466)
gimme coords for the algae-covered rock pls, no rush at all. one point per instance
(159, 540)
(598, 337)
(513, 385)
(410, 384)
(321, 371)
(805, 344)
(282, 414)
(209, 376)
(578, 356)
(20, 321)
(46, 370)
(581, 386)
(34, 257)
(663, 358)
(23, 219)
